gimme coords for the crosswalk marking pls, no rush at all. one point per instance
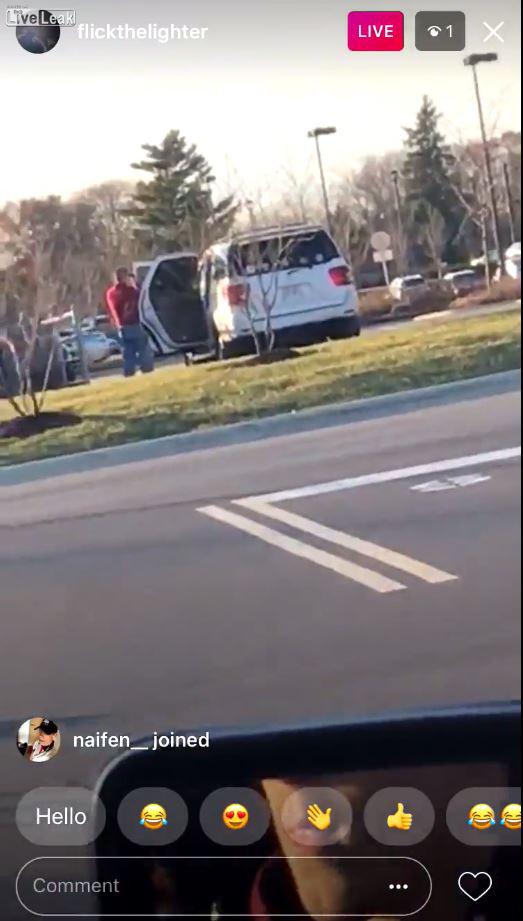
(354, 572)
(350, 542)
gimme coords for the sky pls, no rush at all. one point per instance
(246, 95)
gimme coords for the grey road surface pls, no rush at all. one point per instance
(142, 596)
(140, 604)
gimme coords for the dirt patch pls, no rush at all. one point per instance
(271, 358)
(253, 361)
(26, 426)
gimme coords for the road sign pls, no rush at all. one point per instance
(383, 256)
(380, 241)
(382, 252)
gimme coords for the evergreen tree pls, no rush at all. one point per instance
(430, 173)
(175, 209)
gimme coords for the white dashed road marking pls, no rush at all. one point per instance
(391, 476)
(350, 542)
(452, 482)
(266, 506)
(367, 577)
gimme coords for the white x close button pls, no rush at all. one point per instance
(494, 32)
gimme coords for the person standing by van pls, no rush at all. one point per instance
(122, 304)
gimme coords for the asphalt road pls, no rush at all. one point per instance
(143, 606)
(377, 573)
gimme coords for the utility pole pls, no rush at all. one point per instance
(472, 61)
(395, 176)
(510, 201)
(317, 133)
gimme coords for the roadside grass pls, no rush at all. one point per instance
(179, 399)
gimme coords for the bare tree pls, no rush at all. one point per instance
(40, 261)
(434, 231)
(260, 262)
(113, 227)
(299, 200)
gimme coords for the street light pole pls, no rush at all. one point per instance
(316, 133)
(395, 176)
(510, 201)
(472, 61)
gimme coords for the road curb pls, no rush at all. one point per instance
(290, 423)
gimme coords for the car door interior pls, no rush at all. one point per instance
(280, 873)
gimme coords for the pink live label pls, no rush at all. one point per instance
(376, 31)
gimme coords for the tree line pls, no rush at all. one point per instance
(430, 197)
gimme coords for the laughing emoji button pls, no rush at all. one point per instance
(511, 817)
(482, 817)
(153, 817)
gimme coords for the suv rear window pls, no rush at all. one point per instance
(288, 251)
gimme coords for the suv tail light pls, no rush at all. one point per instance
(237, 295)
(340, 276)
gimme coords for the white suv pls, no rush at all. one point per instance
(190, 305)
(294, 272)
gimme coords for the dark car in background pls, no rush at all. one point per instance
(463, 281)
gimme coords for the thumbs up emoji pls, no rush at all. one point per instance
(401, 820)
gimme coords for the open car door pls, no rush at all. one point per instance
(171, 307)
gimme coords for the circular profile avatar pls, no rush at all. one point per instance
(38, 739)
(38, 39)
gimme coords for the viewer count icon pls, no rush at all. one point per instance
(441, 31)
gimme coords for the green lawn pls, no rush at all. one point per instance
(179, 399)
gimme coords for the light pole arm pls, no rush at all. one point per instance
(323, 184)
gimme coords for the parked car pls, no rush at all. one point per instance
(102, 324)
(406, 289)
(463, 281)
(513, 261)
(48, 361)
(96, 344)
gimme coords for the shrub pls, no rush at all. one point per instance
(507, 289)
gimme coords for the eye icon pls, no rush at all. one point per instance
(434, 31)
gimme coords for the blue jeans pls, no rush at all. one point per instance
(137, 351)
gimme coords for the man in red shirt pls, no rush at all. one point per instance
(122, 304)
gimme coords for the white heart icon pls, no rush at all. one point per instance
(475, 878)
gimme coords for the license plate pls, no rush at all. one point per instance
(292, 292)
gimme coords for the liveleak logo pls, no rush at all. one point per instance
(379, 31)
(38, 30)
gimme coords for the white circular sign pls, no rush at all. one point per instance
(380, 241)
